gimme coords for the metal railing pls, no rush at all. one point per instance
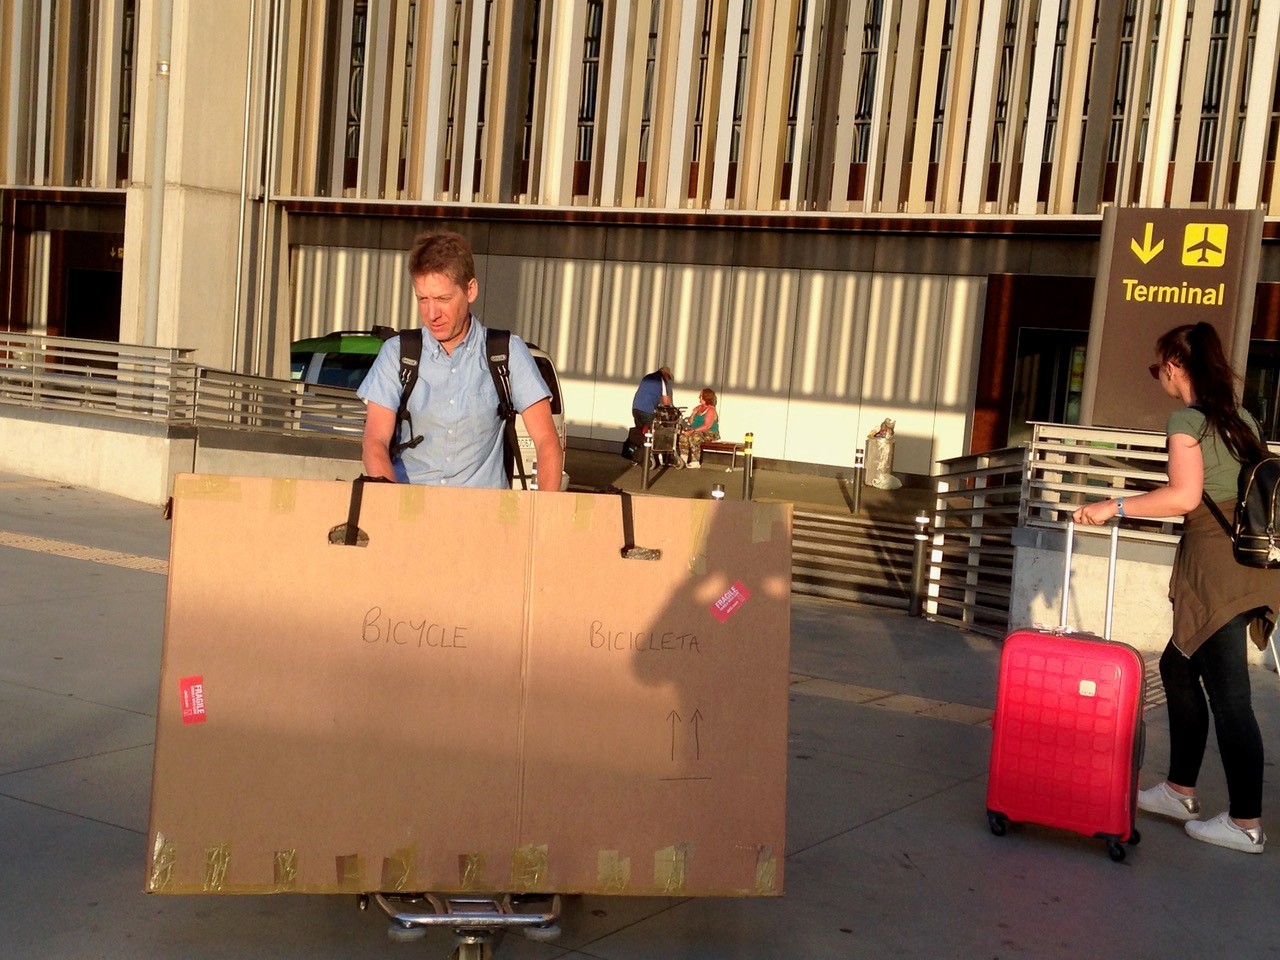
(111, 379)
(260, 404)
(1069, 466)
(982, 499)
(163, 384)
(970, 565)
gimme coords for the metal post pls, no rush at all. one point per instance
(748, 466)
(915, 603)
(859, 477)
(648, 457)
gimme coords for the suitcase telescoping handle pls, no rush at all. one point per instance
(1111, 576)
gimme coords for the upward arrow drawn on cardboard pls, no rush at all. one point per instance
(1146, 253)
(675, 720)
(697, 743)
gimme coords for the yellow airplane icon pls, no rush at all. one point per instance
(1204, 245)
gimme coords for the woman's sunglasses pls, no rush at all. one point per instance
(1154, 370)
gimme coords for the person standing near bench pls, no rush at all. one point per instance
(654, 389)
(704, 427)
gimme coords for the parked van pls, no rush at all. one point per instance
(343, 358)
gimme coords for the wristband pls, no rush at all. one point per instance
(1120, 508)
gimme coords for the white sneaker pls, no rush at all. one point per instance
(1222, 831)
(1164, 801)
(695, 465)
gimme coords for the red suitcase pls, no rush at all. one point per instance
(1068, 731)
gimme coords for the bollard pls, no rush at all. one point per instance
(915, 603)
(748, 467)
(859, 477)
(717, 491)
(648, 459)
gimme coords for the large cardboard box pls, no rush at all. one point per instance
(482, 694)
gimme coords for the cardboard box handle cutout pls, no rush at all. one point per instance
(349, 534)
(629, 549)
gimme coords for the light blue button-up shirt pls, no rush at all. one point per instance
(454, 408)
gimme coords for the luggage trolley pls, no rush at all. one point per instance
(477, 922)
(668, 422)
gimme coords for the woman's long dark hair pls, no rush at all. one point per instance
(1198, 350)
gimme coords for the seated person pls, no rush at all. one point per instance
(704, 427)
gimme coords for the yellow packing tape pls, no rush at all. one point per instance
(206, 487)
(529, 868)
(699, 516)
(471, 870)
(284, 495)
(584, 505)
(350, 872)
(397, 869)
(413, 498)
(163, 857)
(509, 506)
(766, 872)
(286, 871)
(613, 873)
(216, 861)
(670, 867)
(763, 518)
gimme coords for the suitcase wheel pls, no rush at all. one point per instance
(1135, 838)
(1115, 850)
(998, 823)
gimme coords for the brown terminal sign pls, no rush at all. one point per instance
(1159, 268)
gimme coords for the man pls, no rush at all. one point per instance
(454, 404)
(654, 389)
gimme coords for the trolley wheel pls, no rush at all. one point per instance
(542, 934)
(1135, 838)
(472, 951)
(399, 934)
(1115, 850)
(998, 823)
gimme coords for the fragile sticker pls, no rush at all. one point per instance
(728, 604)
(192, 699)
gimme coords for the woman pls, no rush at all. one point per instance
(1215, 600)
(704, 427)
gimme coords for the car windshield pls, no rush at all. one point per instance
(345, 370)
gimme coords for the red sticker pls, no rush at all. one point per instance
(727, 605)
(192, 699)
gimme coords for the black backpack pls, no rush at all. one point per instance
(1255, 534)
(497, 348)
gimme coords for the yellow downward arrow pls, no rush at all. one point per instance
(1146, 253)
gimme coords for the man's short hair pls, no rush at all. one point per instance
(445, 253)
(665, 371)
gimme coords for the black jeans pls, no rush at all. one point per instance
(641, 418)
(1221, 665)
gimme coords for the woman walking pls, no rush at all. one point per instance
(1216, 601)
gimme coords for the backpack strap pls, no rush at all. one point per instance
(497, 350)
(410, 356)
(1217, 512)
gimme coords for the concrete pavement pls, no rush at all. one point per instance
(888, 850)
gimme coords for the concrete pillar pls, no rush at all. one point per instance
(202, 179)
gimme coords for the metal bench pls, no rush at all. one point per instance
(732, 448)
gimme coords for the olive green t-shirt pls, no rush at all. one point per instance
(1221, 470)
